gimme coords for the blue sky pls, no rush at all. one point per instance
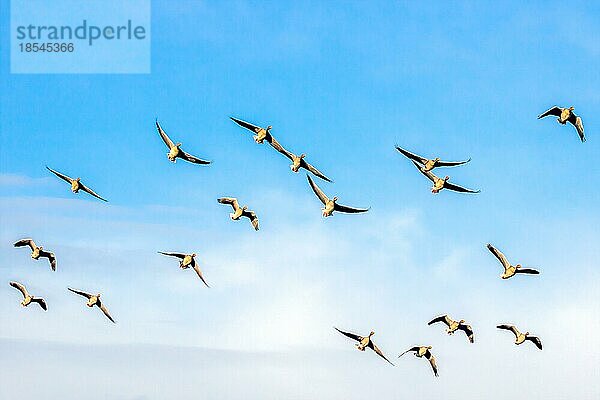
(344, 83)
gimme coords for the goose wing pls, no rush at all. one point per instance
(90, 191)
(442, 318)
(468, 331)
(511, 328)
(81, 293)
(26, 242)
(313, 170)
(456, 188)
(164, 136)
(451, 163)
(190, 158)
(578, 124)
(247, 125)
(498, 254)
(428, 174)
(536, 340)
(551, 111)
(431, 359)
(178, 255)
(51, 258)
(61, 176)
(353, 336)
(322, 196)
(41, 302)
(20, 288)
(414, 348)
(349, 210)
(105, 311)
(251, 215)
(277, 146)
(231, 201)
(529, 271)
(199, 272)
(378, 351)
(412, 156)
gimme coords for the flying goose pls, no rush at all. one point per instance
(521, 337)
(439, 183)
(27, 298)
(239, 212)
(364, 342)
(260, 134)
(76, 184)
(37, 252)
(298, 161)
(566, 115)
(186, 261)
(510, 270)
(429, 164)
(175, 150)
(453, 326)
(331, 205)
(423, 351)
(94, 300)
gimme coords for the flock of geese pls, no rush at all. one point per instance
(424, 165)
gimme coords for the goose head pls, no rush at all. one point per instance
(371, 333)
(193, 255)
(335, 198)
(437, 159)
(269, 128)
(518, 266)
(571, 108)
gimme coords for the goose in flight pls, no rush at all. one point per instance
(260, 134)
(439, 183)
(175, 150)
(186, 261)
(27, 298)
(453, 326)
(239, 212)
(510, 270)
(423, 351)
(521, 337)
(37, 252)
(566, 115)
(331, 205)
(298, 161)
(94, 300)
(364, 342)
(76, 184)
(429, 164)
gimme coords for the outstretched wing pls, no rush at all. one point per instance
(20, 287)
(51, 258)
(498, 254)
(578, 124)
(468, 331)
(277, 146)
(81, 293)
(253, 218)
(231, 201)
(378, 351)
(456, 188)
(433, 364)
(199, 273)
(164, 136)
(551, 111)
(105, 311)
(246, 125)
(412, 156)
(178, 255)
(441, 318)
(61, 176)
(414, 348)
(349, 210)
(428, 174)
(350, 335)
(511, 328)
(41, 302)
(451, 163)
(90, 191)
(26, 242)
(190, 158)
(536, 340)
(324, 199)
(313, 170)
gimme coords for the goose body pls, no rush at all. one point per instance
(298, 161)
(330, 204)
(27, 298)
(520, 337)
(454, 325)
(565, 115)
(442, 183)
(76, 184)
(175, 150)
(364, 342)
(186, 261)
(509, 269)
(423, 351)
(239, 212)
(94, 300)
(37, 251)
(429, 164)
